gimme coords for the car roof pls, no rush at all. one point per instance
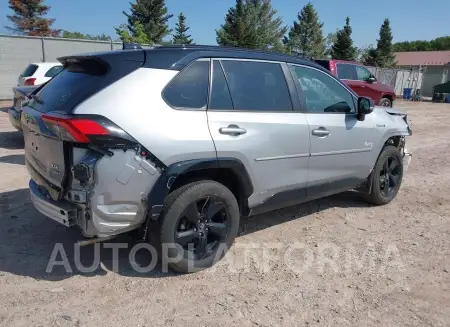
(197, 51)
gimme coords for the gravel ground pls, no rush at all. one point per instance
(331, 262)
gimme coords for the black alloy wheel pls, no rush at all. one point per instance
(390, 176)
(202, 226)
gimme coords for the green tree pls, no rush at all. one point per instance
(28, 18)
(343, 48)
(439, 44)
(139, 36)
(305, 35)
(384, 56)
(252, 24)
(78, 35)
(154, 17)
(181, 36)
(330, 39)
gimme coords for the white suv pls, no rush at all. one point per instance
(39, 73)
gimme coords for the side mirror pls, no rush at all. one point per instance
(371, 79)
(365, 107)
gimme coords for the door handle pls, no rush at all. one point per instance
(321, 132)
(233, 130)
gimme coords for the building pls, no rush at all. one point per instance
(434, 66)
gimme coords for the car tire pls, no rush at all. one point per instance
(385, 102)
(387, 176)
(173, 217)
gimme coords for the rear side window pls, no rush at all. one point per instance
(257, 86)
(346, 71)
(29, 71)
(189, 89)
(53, 71)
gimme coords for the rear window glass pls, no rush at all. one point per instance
(66, 90)
(29, 71)
(53, 71)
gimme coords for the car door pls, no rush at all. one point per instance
(341, 145)
(251, 118)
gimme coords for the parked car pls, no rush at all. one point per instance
(183, 140)
(39, 73)
(361, 80)
(21, 94)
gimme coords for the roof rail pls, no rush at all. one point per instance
(130, 46)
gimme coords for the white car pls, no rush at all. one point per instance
(38, 73)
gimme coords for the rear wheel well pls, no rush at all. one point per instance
(224, 176)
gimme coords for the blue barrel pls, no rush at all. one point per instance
(447, 100)
(407, 93)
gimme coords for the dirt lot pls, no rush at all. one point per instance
(355, 264)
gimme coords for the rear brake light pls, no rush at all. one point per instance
(74, 129)
(29, 82)
(333, 67)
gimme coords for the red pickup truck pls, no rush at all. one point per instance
(360, 80)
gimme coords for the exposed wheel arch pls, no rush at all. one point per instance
(230, 172)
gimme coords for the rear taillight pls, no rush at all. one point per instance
(333, 67)
(74, 129)
(29, 82)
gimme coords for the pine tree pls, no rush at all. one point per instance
(252, 24)
(306, 36)
(181, 36)
(139, 36)
(28, 18)
(343, 48)
(384, 55)
(154, 17)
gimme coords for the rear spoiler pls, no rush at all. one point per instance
(98, 63)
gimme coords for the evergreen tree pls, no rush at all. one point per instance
(252, 24)
(181, 36)
(154, 17)
(384, 55)
(28, 18)
(306, 36)
(343, 48)
(139, 36)
(330, 39)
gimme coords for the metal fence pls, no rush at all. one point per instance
(400, 79)
(16, 52)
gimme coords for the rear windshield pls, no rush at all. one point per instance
(66, 90)
(53, 71)
(324, 63)
(29, 71)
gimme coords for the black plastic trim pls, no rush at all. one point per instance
(164, 183)
(281, 200)
(304, 194)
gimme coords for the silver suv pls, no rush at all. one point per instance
(183, 140)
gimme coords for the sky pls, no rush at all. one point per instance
(410, 19)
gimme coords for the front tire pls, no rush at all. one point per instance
(387, 178)
(199, 222)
